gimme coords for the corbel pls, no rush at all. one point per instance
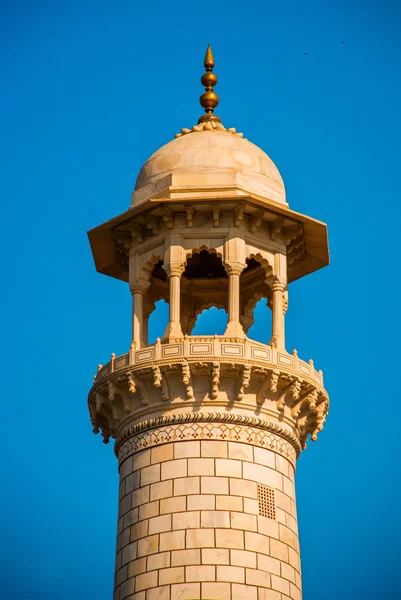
(238, 214)
(256, 220)
(157, 376)
(269, 384)
(136, 234)
(303, 431)
(152, 223)
(111, 390)
(135, 385)
(321, 413)
(216, 215)
(187, 380)
(214, 391)
(291, 233)
(295, 252)
(106, 434)
(123, 245)
(189, 209)
(276, 228)
(309, 397)
(293, 388)
(243, 381)
(159, 381)
(131, 383)
(168, 217)
(99, 397)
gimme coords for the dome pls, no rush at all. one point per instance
(207, 159)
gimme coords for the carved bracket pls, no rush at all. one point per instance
(243, 381)
(160, 381)
(238, 214)
(297, 400)
(189, 209)
(168, 217)
(216, 215)
(187, 380)
(214, 390)
(256, 220)
(123, 243)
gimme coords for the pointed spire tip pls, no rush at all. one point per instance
(209, 60)
(209, 99)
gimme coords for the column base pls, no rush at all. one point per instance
(276, 342)
(234, 329)
(173, 330)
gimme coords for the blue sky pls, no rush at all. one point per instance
(88, 91)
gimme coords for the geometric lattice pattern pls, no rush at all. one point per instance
(207, 431)
(267, 506)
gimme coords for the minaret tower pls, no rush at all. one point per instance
(208, 428)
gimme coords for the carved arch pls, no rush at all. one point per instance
(148, 265)
(263, 261)
(199, 310)
(247, 318)
(250, 296)
(198, 249)
(207, 305)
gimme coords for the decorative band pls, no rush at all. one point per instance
(200, 426)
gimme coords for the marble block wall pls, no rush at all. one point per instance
(207, 519)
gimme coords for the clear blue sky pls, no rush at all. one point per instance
(88, 91)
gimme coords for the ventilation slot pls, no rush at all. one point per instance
(266, 502)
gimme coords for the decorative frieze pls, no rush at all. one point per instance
(200, 426)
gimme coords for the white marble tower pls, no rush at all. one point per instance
(208, 428)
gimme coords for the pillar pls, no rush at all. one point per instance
(148, 308)
(138, 290)
(174, 273)
(234, 327)
(277, 305)
(145, 330)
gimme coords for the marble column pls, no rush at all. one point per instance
(234, 327)
(138, 290)
(174, 273)
(278, 330)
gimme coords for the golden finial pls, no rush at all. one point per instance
(209, 100)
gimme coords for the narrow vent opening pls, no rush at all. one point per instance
(267, 507)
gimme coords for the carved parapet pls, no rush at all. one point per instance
(210, 375)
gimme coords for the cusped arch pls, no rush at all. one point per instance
(198, 249)
(147, 267)
(249, 299)
(207, 305)
(204, 262)
(204, 307)
(247, 318)
(263, 261)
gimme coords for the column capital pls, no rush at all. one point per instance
(139, 286)
(234, 267)
(174, 269)
(276, 284)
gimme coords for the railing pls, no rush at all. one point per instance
(207, 348)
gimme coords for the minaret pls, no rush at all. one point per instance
(208, 428)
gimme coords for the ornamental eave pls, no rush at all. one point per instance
(314, 235)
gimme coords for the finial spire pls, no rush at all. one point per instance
(209, 100)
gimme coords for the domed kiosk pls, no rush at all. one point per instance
(204, 165)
